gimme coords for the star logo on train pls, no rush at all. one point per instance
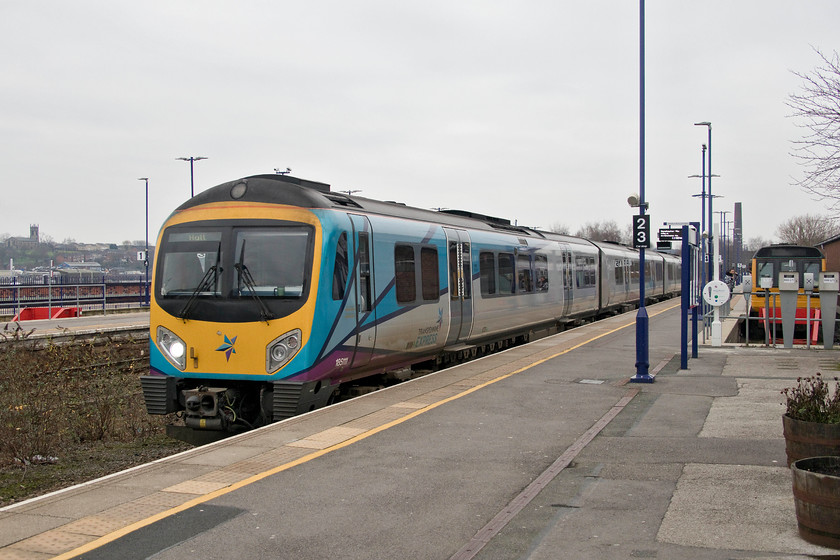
(227, 347)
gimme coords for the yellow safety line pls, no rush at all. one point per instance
(110, 537)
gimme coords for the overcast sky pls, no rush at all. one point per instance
(526, 110)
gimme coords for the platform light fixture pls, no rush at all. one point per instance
(708, 124)
(192, 160)
(642, 340)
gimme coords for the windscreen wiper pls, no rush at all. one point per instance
(246, 278)
(210, 278)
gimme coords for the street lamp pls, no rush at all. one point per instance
(642, 339)
(710, 237)
(146, 254)
(192, 159)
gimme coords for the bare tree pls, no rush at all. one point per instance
(818, 109)
(601, 231)
(560, 228)
(753, 244)
(808, 230)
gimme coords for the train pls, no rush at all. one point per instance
(271, 293)
(767, 263)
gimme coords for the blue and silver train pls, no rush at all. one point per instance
(272, 292)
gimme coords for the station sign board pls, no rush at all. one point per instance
(670, 234)
(641, 231)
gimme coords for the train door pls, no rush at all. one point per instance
(460, 285)
(364, 292)
(567, 274)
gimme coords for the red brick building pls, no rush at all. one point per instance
(831, 248)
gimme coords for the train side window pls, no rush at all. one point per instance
(364, 273)
(487, 273)
(506, 273)
(523, 269)
(814, 268)
(619, 273)
(765, 270)
(430, 281)
(340, 270)
(406, 284)
(541, 272)
(466, 270)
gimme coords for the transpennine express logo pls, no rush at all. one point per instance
(227, 347)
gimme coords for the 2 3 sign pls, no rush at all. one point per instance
(641, 231)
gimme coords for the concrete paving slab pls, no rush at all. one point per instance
(738, 507)
(754, 413)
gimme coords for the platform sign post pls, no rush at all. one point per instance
(696, 266)
(746, 289)
(829, 284)
(789, 293)
(688, 299)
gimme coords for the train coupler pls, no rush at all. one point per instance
(203, 408)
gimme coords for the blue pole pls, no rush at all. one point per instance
(684, 299)
(642, 342)
(703, 217)
(693, 274)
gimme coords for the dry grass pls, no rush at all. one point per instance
(72, 412)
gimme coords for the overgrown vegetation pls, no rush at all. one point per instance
(69, 403)
(812, 400)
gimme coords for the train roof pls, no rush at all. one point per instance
(285, 189)
(788, 252)
(289, 190)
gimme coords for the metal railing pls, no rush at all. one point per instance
(85, 291)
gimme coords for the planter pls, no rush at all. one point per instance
(816, 494)
(810, 439)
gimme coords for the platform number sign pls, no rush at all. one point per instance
(641, 231)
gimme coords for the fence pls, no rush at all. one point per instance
(87, 291)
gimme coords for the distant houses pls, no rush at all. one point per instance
(33, 253)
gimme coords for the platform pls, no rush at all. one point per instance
(543, 451)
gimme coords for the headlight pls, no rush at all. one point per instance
(281, 350)
(172, 347)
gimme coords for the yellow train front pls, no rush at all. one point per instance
(234, 293)
(767, 264)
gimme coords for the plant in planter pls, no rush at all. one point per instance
(812, 418)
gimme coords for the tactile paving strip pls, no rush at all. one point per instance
(53, 542)
(327, 438)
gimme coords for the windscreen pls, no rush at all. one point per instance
(270, 262)
(239, 272)
(191, 264)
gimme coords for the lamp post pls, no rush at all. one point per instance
(642, 341)
(724, 232)
(146, 254)
(192, 159)
(710, 237)
(702, 196)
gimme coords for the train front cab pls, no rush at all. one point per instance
(768, 263)
(232, 317)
